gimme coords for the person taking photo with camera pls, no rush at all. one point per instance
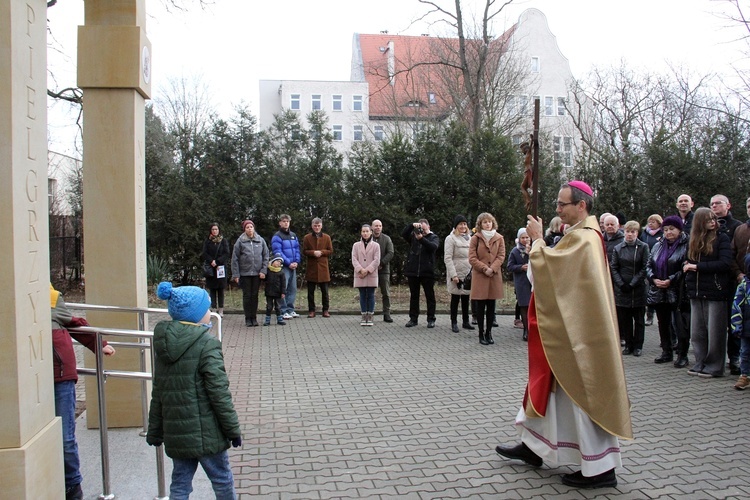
(420, 269)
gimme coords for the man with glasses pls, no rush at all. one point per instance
(576, 403)
(728, 225)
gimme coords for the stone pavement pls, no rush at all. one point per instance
(330, 409)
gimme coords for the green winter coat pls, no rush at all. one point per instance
(191, 406)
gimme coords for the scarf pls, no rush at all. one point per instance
(653, 232)
(273, 268)
(667, 249)
(216, 239)
(366, 241)
(488, 234)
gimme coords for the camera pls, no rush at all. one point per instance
(418, 229)
(460, 284)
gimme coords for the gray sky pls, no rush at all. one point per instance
(234, 43)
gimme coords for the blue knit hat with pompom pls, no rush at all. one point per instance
(186, 303)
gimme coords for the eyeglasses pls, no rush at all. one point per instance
(560, 204)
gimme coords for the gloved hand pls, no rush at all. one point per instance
(237, 442)
(154, 441)
(626, 287)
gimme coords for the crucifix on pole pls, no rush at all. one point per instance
(535, 175)
(530, 182)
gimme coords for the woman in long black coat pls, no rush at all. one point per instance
(216, 254)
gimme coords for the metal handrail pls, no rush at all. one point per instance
(101, 376)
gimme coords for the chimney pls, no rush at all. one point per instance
(391, 63)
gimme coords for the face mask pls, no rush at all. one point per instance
(209, 325)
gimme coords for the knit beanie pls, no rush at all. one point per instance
(458, 220)
(521, 232)
(246, 222)
(275, 257)
(672, 220)
(186, 303)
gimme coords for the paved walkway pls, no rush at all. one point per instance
(330, 409)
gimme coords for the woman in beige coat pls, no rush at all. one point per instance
(456, 258)
(486, 256)
(366, 259)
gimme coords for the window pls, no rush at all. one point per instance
(336, 104)
(549, 105)
(511, 108)
(294, 102)
(357, 103)
(523, 105)
(338, 133)
(431, 98)
(560, 106)
(563, 149)
(378, 132)
(51, 190)
(315, 102)
(358, 134)
(417, 129)
(535, 65)
(295, 132)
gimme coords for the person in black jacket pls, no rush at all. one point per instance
(216, 254)
(727, 224)
(628, 268)
(666, 280)
(420, 269)
(710, 287)
(275, 289)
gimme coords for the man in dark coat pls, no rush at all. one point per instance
(728, 225)
(420, 269)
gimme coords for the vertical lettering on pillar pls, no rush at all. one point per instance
(35, 289)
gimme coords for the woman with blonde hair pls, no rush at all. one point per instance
(486, 256)
(457, 267)
(710, 288)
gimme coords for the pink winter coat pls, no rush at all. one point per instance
(366, 257)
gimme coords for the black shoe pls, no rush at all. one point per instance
(488, 338)
(74, 493)
(734, 369)
(604, 480)
(638, 352)
(254, 322)
(494, 323)
(482, 340)
(665, 357)
(387, 318)
(467, 326)
(681, 362)
(430, 323)
(248, 322)
(520, 452)
(473, 320)
(525, 336)
(454, 327)
(627, 351)
(411, 323)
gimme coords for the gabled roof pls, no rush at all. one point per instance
(411, 77)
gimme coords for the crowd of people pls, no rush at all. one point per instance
(682, 269)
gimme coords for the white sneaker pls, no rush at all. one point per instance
(287, 316)
(294, 315)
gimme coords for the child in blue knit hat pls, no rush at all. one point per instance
(191, 406)
(741, 326)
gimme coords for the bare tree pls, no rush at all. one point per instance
(474, 70)
(187, 113)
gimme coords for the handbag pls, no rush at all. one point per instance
(467, 280)
(208, 271)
